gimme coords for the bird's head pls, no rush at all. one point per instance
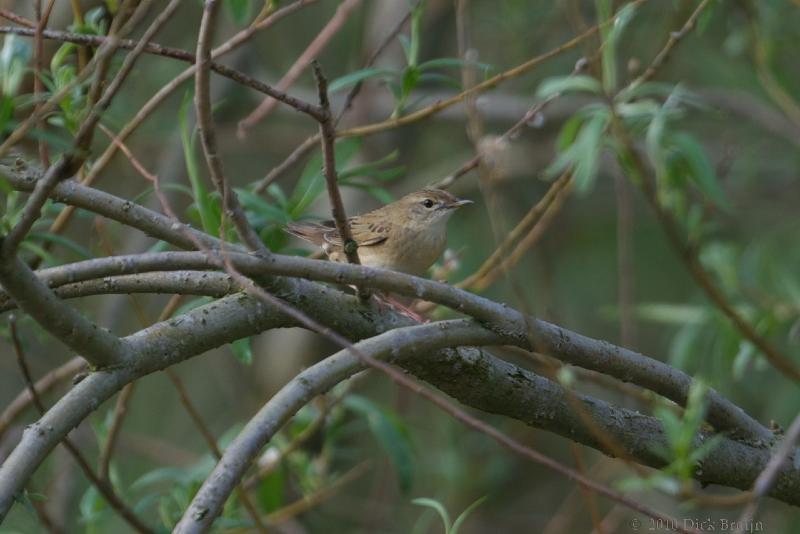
(428, 207)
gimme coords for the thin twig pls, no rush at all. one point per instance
(674, 38)
(120, 410)
(310, 142)
(309, 54)
(150, 106)
(38, 52)
(495, 262)
(328, 138)
(208, 137)
(766, 479)
(105, 489)
(492, 82)
(25, 398)
(689, 254)
(13, 17)
(211, 441)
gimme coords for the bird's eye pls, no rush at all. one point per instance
(428, 203)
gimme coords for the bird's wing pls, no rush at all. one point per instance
(366, 232)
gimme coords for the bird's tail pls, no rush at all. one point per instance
(308, 231)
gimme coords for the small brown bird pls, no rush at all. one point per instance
(408, 235)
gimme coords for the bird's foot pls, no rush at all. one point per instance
(392, 303)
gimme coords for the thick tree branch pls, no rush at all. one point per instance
(561, 343)
(395, 345)
(528, 333)
(99, 347)
(205, 283)
(473, 377)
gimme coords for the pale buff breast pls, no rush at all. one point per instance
(411, 251)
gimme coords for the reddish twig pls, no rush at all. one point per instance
(309, 54)
(766, 479)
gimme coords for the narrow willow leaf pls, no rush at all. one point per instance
(360, 76)
(463, 515)
(587, 150)
(391, 433)
(701, 172)
(440, 509)
(568, 84)
(243, 350)
(239, 10)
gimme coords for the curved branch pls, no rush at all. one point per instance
(395, 345)
(203, 283)
(473, 377)
(157, 347)
(568, 346)
(526, 332)
(98, 346)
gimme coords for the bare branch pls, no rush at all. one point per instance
(208, 135)
(328, 138)
(99, 347)
(783, 452)
(312, 51)
(396, 344)
(103, 486)
(578, 350)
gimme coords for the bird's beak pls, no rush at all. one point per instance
(460, 203)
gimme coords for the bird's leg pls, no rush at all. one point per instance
(393, 303)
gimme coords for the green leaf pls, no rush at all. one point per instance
(92, 505)
(610, 34)
(209, 211)
(40, 252)
(312, 181)
(452, 62)
(360, 76)
(64, 242)
(700, 170)
(587, 152)
(568, 84)
(173, 475)
(258, 208)
(239, 10)
(409, 81)
(413, 47)
(271, 493)
(243, 350)
(6, 113)
(705, 17)
(390, 433)
(440, 509)
(371, 169)
(14, 58)
(443, 79)
(569, 132)
(61, 55)
(463, 515)
(675, 314)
